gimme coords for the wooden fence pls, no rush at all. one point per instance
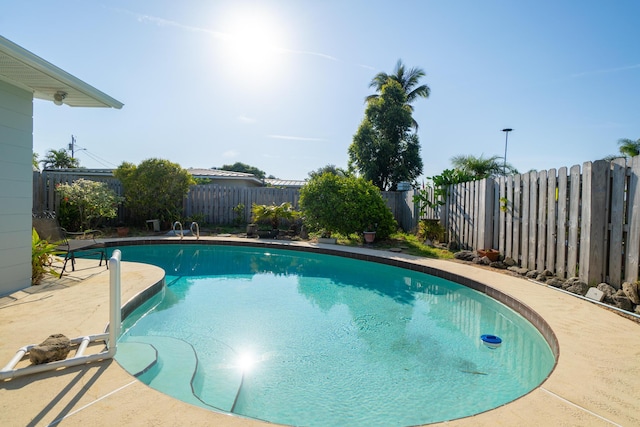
(216, 204)
(582, 221)
(571, 221)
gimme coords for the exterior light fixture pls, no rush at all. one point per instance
(506, 139)
(58, 97)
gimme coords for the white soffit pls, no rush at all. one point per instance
(22, 68)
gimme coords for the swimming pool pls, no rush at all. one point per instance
(309, 339)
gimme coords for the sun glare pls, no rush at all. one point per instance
(254, 40)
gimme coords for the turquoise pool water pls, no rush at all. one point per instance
(307, 339)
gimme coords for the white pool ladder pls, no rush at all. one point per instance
(181, 231)
(110, 338)
(197, 232)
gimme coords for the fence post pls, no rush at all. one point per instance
(592, 231)
(485, 213)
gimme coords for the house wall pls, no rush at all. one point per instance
(16, 147)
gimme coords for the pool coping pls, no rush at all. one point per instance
(594, 382)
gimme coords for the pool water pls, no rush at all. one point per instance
(308, 339)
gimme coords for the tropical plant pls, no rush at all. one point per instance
(34, 160)
(328, 169)
(629, 147)
(273, 214)
(332, 203)
(434, 192)
(42, 253)
(430, 229)
(244, 168)
(238, 214)
(94, 201)
(384, 150)
(59, 159)
(481, 167)
(155, 189)
(408, 80)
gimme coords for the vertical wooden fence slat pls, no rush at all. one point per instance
(594, 190)
(533, 219)
(507, 207)
(552, 210)
(561, 226)
(517, 212)
(615, 221)
(633, 213)
(542, 220)
(502, 231)
(574, 220)
(526, 189)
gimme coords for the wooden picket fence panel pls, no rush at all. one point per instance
(572, 221)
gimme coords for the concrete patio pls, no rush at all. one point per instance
(596, 381)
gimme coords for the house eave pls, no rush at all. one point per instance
(22, 68)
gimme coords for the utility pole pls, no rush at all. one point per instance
(72, 146)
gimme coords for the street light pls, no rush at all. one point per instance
(506, 140)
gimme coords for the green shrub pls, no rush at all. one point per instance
(154, 189)
(345, 205)
(93, 201)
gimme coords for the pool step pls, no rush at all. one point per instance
(173, 370)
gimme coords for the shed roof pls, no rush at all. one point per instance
(22, 68)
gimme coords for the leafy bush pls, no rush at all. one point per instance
(155, 189)
(345, 205)
(94, 201)
(42, 253)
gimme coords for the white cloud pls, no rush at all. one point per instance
(245, 119)
(295, 138)
(606, 70)
(229, 154)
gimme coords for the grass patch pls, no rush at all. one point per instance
(409, 243)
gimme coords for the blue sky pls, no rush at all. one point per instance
(280, 85)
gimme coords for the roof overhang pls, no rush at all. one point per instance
(23, 69)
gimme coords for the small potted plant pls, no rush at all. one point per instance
(492, 254)
(369, 233)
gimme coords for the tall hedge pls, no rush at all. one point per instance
(345, 205)
(155, 189)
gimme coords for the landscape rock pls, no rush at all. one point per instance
(464, 255)
(622, 302)
(608, 291)
(542, 278)
(579, 288)
(556, 282)
(55, 347)
(498, 264)
(631, 291)
(532, 274)
(509, 262)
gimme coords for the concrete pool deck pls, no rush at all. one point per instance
(596, 381)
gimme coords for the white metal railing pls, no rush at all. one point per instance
(110, 338)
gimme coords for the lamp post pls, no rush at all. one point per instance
(506, 140)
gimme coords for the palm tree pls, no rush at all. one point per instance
(408, 79)
(59, 159)
(629, 147)
(479, 167)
